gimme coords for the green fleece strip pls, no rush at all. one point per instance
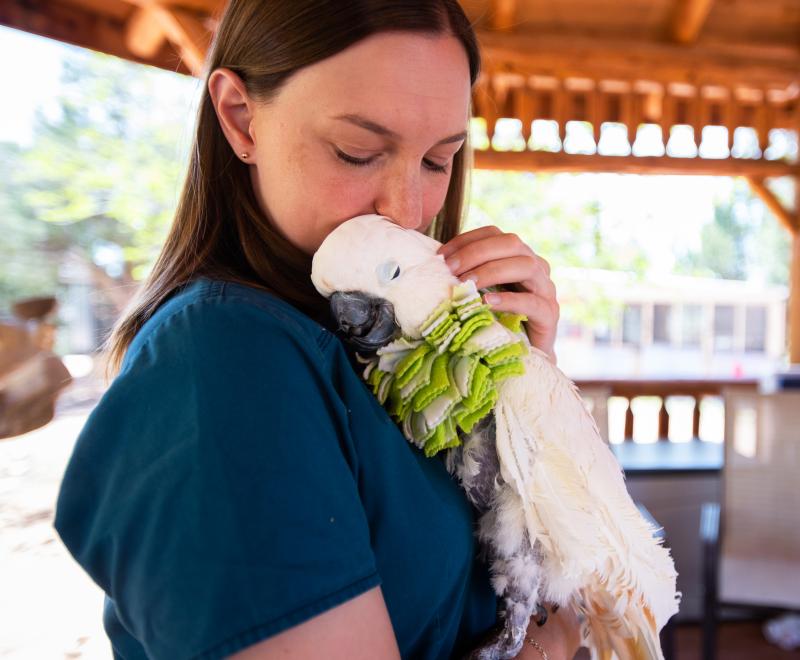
(512, 321)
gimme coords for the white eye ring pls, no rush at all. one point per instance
(388, 271)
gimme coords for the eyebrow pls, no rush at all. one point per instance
(369, 125)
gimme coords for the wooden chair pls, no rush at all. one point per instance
(751, 542)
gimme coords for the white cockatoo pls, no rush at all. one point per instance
(555, 519)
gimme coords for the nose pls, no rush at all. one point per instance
(400, 198)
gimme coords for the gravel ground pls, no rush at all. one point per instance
(49, 608)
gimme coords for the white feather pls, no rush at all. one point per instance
(574, 495)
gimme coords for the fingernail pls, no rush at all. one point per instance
(472, 277)
(491, 299)
(453, 264)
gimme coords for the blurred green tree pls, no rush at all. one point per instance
(565, 232)
(743, 242)
(101, 177)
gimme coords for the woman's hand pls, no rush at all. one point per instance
(492, 257)
(559, 637)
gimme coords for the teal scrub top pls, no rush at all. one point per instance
(238, 478)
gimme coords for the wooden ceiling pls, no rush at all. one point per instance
(696, 62)
(747, 43)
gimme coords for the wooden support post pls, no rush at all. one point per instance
(486, 104)
(668, 118)
(595, 111)
(763, 124)
(698, 399)
(663, 421)
(730, 119)
(524, 109)
(697, 116)
(630, 111)
(561, 110)
(794, 287)
(791, 222)
(629, 421)
(787, 218)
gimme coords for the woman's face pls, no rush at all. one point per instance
(371, 129)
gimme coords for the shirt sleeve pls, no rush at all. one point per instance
(213, 492)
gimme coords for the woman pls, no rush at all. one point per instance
(238, 490)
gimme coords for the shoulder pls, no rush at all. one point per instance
(207, 318)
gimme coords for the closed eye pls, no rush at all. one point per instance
(363, 162)
(388, 271)
(352, 160)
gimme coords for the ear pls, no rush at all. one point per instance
(234, 110)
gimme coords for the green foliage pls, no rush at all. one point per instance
(566, 232)
(743, 242)
(23, 272)
(103, 169)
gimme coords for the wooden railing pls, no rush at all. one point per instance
(599, 391)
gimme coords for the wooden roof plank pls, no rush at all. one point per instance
(630, 59)
(545, 161)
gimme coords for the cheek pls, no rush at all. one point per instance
(346, 194)
(336, 196)
(433, 196)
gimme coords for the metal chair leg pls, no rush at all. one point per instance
(709, 534)
(668, 639)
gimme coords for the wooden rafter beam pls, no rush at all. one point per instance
(144, 35)
(688, 19)
(189, 35)
(503, 14)
(184, 29)
(80, 27)
(789, 219)
(545, 161)
(564, 56)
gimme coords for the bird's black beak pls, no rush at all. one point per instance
(366, 322)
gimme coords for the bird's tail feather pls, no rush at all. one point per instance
(632, 637)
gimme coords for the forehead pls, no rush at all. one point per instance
(409, 81)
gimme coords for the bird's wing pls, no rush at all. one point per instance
(576, 503)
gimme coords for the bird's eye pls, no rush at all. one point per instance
(387, 271)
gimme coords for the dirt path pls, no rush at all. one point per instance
(49, 608)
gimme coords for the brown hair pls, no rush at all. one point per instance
(219, 230)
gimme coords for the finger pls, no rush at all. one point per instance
(512, 270)
(457, 242)
(541, 312)
(489, 248)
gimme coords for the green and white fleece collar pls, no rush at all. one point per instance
(447, 380)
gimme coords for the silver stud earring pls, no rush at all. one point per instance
(245, 154)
